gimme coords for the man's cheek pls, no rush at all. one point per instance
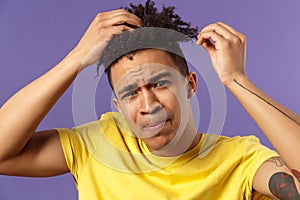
(129, 112)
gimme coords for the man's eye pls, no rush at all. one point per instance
(161, 84)
(129, 94)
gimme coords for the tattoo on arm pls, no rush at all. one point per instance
(282, 186)
(278, 161)
(296, 174)
(266, 102)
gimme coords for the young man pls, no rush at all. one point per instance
(151, 148)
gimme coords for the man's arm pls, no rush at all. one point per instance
(276, 180)
(280, 125)
(22, 113)
(41, 157)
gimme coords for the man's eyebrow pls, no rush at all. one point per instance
(151, 80)
(158, 77)
(127, 88)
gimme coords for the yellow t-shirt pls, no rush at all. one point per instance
(109, 163)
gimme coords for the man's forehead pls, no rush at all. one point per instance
(147, 70)
(143, 63)
(145, 74)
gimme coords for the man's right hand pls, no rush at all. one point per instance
(101, 30)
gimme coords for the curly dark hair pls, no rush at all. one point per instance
(152, 35)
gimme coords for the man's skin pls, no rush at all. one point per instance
(25, 153)
(158, 110)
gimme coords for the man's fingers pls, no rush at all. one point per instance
(223, 36)
(226, 31)
(235, 32)
(116, 30)
(125, 18)
(116, 18)
(109, 14)
(99, 45)
(218, 28)
(210, 35)
(210, 41)
(101, 30)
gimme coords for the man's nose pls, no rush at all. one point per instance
(149, 103)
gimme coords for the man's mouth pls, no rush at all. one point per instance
(154, 126)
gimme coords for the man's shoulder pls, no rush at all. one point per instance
(107, 120)
(231, 145)
(223, 139)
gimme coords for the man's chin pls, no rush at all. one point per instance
(157, 142)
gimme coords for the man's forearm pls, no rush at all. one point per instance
(22, 113)
(279, 124)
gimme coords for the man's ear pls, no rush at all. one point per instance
(117, 105)
(192, 84)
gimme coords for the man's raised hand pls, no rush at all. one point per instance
(105, 25)
(227, 50)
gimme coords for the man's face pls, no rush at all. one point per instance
(153, 96)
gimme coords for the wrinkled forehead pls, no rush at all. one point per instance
(148, 74)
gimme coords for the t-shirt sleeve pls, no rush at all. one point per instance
(255, 154)
(74, 150)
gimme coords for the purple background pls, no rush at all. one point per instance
(35, 35)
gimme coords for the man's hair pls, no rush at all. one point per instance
(130, 42)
